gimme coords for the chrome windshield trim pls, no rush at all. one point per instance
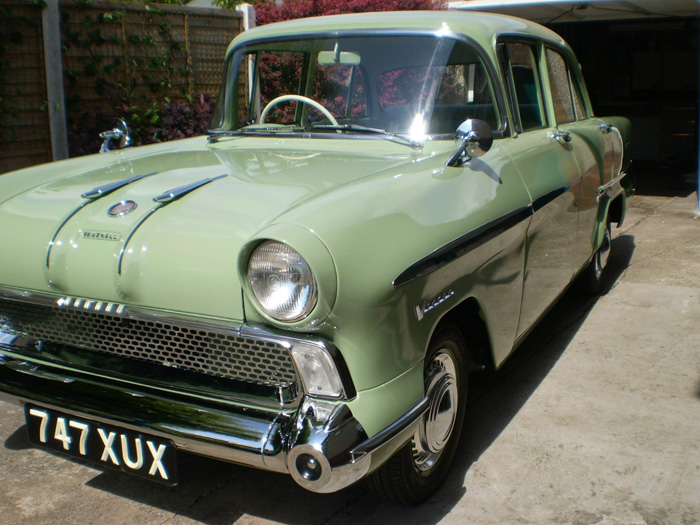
(442, 33)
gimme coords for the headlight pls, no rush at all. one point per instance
(281, 282)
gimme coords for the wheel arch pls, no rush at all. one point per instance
(468, 317)
(609, 211)
(616, 210)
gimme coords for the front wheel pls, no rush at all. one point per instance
(417, 469)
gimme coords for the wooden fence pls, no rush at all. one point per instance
(111, 51)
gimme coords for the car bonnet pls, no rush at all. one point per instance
(168, 236)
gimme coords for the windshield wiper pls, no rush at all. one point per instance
(251, 129)
(214, 135)
(254, 129)
(400, 139)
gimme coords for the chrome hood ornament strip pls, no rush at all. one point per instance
(163, 200)
(92, 196)
(106, 189)
(174, 194)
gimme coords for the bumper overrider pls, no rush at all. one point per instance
(316, 439)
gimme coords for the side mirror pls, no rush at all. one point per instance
(477, 139)
(120, 133)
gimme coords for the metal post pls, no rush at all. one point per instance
(51, 23)
(249, 22)
(248, 12)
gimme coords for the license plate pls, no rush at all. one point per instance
(133, 452)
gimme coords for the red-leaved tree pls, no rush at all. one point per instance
(268, 11)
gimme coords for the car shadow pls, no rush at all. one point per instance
(213, 492)
(18, 440)
(497, 396)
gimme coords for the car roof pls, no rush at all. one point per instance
(480, 27)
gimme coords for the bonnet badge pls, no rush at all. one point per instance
(122, 208)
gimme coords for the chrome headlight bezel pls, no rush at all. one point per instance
(281, 282)
(316, 255)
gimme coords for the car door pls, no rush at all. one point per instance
(595, 145)
(544, 154)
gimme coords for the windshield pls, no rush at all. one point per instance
(415, 86)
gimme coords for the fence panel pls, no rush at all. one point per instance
(114, 53)
(24, 118)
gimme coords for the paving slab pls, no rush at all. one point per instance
(595, 419)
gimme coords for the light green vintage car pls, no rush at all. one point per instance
(385, 203)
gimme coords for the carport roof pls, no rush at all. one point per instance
(583, 11)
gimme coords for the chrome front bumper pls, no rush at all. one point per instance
(320, 444)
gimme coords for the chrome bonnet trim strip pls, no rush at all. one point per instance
(163, 200)
(174, 194)
(92, 195)
(106, 189)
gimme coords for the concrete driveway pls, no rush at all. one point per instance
(595, 419)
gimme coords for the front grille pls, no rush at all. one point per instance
(166, 343)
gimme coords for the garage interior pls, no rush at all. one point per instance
(640, 60)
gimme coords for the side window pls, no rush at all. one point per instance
(528, 93)
(580, 113)
(561, 90)
(453, 92)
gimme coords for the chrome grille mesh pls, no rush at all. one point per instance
(223, 355)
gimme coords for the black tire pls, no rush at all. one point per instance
(595, 275)
(418, 468)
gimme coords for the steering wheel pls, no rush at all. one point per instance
(298, 98)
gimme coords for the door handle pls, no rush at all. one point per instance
(562, 137)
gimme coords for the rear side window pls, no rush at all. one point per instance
(561, 89)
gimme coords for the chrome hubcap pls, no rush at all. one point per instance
(437, 424)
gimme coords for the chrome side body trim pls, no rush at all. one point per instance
(463, 245)
(545, 199)
(475, 238)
